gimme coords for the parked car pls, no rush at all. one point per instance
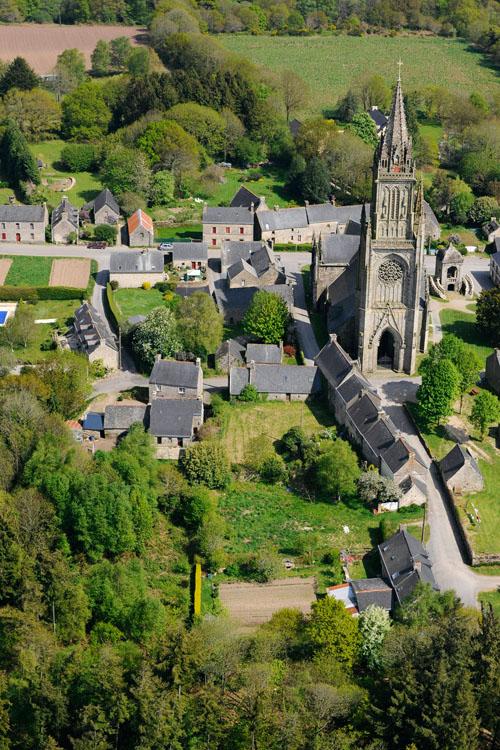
(165, 246)
(97, 245)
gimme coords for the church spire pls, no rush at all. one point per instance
(396, 147)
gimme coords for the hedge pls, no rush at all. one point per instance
(16, 293)
(292, 248)
(90, 286)
(112, 309)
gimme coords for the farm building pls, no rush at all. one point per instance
(405, 562)
(231, 353)
(104, 209)
(265, 354)
(140, 229)
(23, 223)
(64, 221)
(460, 471)
(93, 337)
(131, 270)
(280, 382)
(119, 418)
(173, 423)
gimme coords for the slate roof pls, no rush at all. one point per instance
(266, 354)
(91, 329)
(456, 460)
(122, 416)
(342, 296)
(140, 219)
(324, 212)
(72, 213)
(285, 218)
(372, 591)
(494, 248)
(244, 197)
(150, 261)
(405, 562)
(496, 256)
(364, 413)
(173, 417)
(491, 226)
(339, 248)
(227, 215)
(380, 436)
(294, 126)
(275, 379)
(430, 219)
(93, 421)
(413, 480)
(334, 363)
(396, 455)
(105, 198)
(378, 118)
(449, 254)
(235, 347)
(136, 320)
(187, 290)
(232, 251)
(177, 374)
(241, 297)
(22, 213)
(196, 251)
(295, 218)
(238, 267)
(353, 386)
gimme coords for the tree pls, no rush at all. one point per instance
(468, 367)
(363, 126)
(120, 52)
(157, 335)
(162, 188)
(348, 106)
(266, 317)
(154, 91)
(203, 123)
(36, 112)
(138, 62)
(210, 539)
(483, 209)
(8, 360)
(336, 469)
(19, 75)
(65, 374)
(488, 315)
(130, 202)
(315, 186)
(485, 410)
(200, 324)
(167, 143)
(460, 206)
(101, 58)
(206, 463)
(373, 488)
(24, 324)
(71, 69)
(233, 131)
(79, 157)
(315, 137)
(85, 114)
(334, 631)
(438, 391)
(294, 91)
(373, 91)
(126, 169)
(106, 233)
(266, 565)
(374, 625)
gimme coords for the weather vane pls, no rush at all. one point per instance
(399, 66)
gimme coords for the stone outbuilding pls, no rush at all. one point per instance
(119, 418)
(140, 229)
(174, 423)
(172, 379)
(491, 229)
(493, 370)
(265, 354)
(104, 209)
(64, 222)
(460, 471)
(449, 263)
(279, 382)
(231, 353)
(23, 223)
(93, 337)
(131, 270)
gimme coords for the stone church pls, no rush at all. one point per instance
(373, 287)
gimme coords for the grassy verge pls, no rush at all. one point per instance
(463, 325)
(485, 537)
(136, 302)
(318, 321)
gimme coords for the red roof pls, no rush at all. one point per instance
(140, 218)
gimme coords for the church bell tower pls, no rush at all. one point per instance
(391, 296)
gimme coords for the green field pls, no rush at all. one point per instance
(136, 301)
(329, 63)
(485, 537)
(271, 185)
(493, 598)
(270, 421)
(27, 270)
(87, 184)
(463, 325)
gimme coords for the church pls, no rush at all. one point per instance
(372, 286)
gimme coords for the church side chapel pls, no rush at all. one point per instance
(375, 293)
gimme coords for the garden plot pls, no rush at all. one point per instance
(72, 273)
(5, 264)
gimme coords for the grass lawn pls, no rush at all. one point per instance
(183, 232)
(231, 330)
(485, 536)
(46, 309)
(493, 598)
(87, 183)
(137, 301)
(329, 64)
(318, 321)
(433, 131)
(467, 236)
(27, 270)
(259, 515)
(463, 325)
(270, 421)
(271, 185)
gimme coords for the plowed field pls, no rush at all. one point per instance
(74, 273)
(5, 264)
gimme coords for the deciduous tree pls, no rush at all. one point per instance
(206, 463)
(363, 126)
(438, 391)
(158, 334)
(485, 410)
(200, 324)
(294, 91)
(101, 58)
(373, 627)
(333, 630)
(266, 317)
(85, 114)
(336, 470)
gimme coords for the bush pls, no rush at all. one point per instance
(114, 284)
(106, 233)
(16, 293)
(146, 285)
(272, 470)
(249, 394)
(385, 529)
(79, 157)
(206, 463)
(290, 351)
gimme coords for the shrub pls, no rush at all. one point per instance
(106, 233)
(385, 529)
(206, 463)
(146, 285)
(114, 284)
(79, 157)
(249, 394)
(290, 351)
(272, 470)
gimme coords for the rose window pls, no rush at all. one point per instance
(390, 272)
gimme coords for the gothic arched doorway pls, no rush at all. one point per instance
(451, 278)
(385, 352)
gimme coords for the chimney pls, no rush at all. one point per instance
(397, 434)
(417, 565)
(332, 200)
(251, 371)
(333, 337)
(382, 414)
(306, 203)
(373, 107)
(198, 362)
(276, 208)
(157, 357)
(252, 207)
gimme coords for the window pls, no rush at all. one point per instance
(299, 238)
(228, 230)
(243, 282)
(214, 230)
(3, 224)
(32, 236)
(181, 390)
(17, 226)
(32, 226)
(214, 242)
(241, 230)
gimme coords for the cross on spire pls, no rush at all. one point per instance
(399, 68)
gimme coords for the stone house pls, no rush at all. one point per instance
(460, 471)
(259, 268)
(448, 271)
(405, 562)
(64, 221)
(279, 382)
(379, 119)
(172, 379)
(493, 370)
(233, 303)
(233, 251)
(491, 229)
(174, 423)
(231, 353)
(495, 262)
(265, 354)
(130, 270)
(414, 489)
(23, 223)
(222, 223)
(140, 229)
(93, 337)
(119, 418)
(188, 255)
(104, 209)
(246, 198)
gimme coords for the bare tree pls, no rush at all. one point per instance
(295, 92)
